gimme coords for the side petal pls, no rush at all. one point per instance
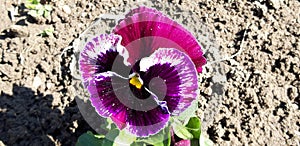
(179, 74)
(146, 30)
(102, 94)
(100, 54)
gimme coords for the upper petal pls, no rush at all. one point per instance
(144, 30)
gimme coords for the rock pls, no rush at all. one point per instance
(292, 92)
(274, 3)
(1, 143)
(37, 81)
(7, 70)
(66, 9)
(208, 91)
(261, 10)
(295, 106)
(49, 85)
(6, 88)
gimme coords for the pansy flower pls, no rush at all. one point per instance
(142, 73)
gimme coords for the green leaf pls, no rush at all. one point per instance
(138, 144)
(181, 131)
(47, 32)
(195, 142)
(124, 138)
(106, 142)
(30, 6)
(167, 141)
(189, 112)
(110, 137)
(161, 138)
(33, 1)
(108, 124)
(194, 127)
(205, 141)
(46, 14)
(89, 139)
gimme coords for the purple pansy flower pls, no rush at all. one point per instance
(142, 73)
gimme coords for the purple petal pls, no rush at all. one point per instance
(147, 123)
(100, 54)
(179, 74)
(183, 143)
(102, 94)
(120, 119)
(146, 30)
(112, 97)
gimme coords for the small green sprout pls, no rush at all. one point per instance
(47, 32)
(37, 9)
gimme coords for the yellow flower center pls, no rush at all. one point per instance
(136, 82)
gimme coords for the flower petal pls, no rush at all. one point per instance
(179, 74)
(183, 143)
(120, 119)
(100, 54)
(147, 123)
(148, 29)
(102, 94)
(112, 97)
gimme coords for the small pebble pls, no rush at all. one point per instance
(37, 81)
(1, 143)
(66, 9)
(275, 3)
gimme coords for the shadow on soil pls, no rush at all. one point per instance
(28, 118)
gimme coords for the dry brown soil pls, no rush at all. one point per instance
(261, 102)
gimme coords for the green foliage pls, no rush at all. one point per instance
(124, 138)
(189, 129)
(108, 125)
(160, 139)
(36, 9)
(47, 32)
(189, 112)
(89, 139)
(194, 127)
(110, 137)
(181, 131)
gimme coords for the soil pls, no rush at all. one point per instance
(260, 103)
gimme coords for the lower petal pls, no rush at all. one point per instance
(112, 97)
(147, 123)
